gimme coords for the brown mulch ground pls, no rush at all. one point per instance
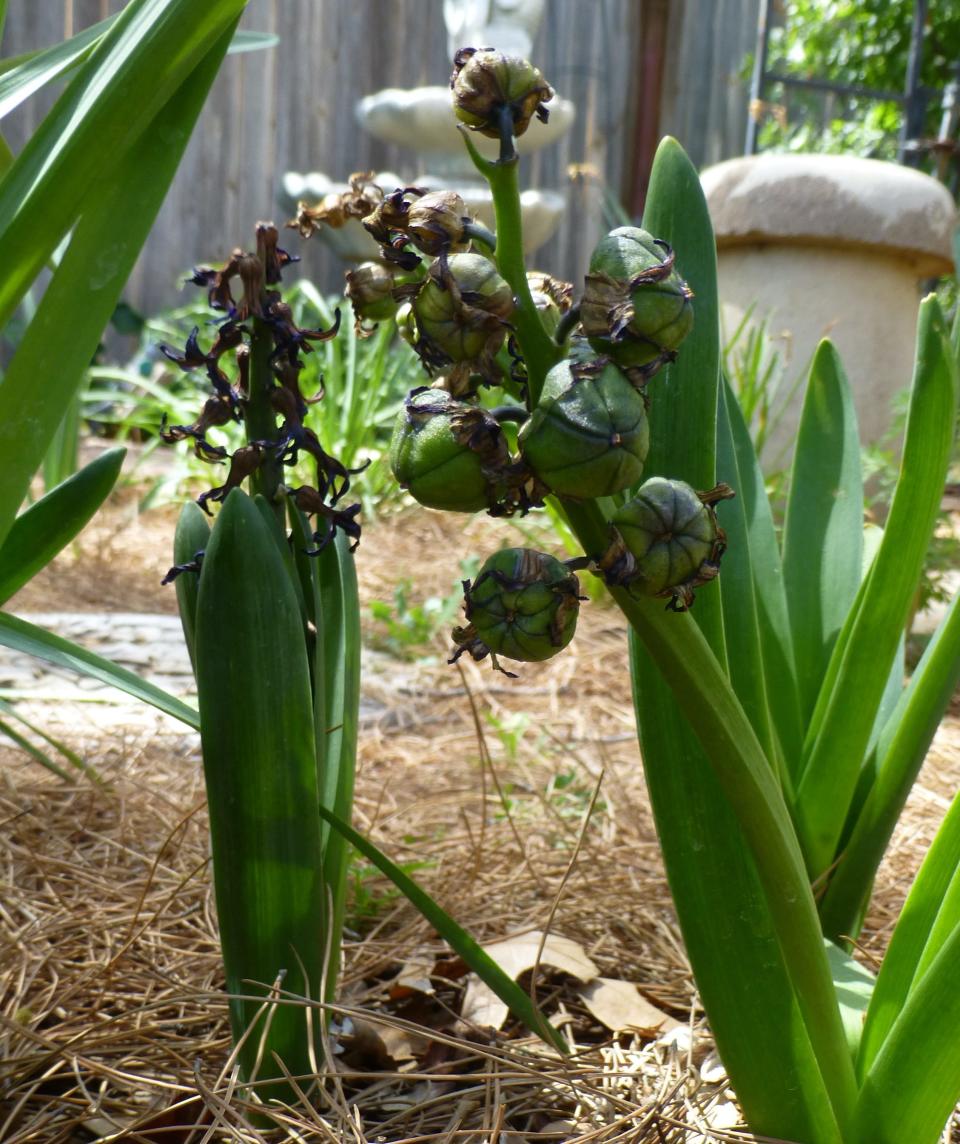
(110, 1003)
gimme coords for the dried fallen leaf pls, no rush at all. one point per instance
(620, 1006)
(515, 955)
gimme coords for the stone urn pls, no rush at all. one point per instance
(831, 246)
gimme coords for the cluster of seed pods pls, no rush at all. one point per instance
(455, 446)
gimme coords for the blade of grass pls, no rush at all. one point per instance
(859, 669)
(49, 524)
(256, 728)
(42, 757)
(18, 635)
(456, 937)
(901, 750)
(823, 530)
(62, 338)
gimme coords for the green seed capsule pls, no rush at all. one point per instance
(486, 83)
(589, 435)
(636, 308)
(446, 454)
(665, 541)
(462, 307)
(523, 605)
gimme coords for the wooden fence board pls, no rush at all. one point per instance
(291, 108)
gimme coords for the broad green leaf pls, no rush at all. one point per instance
(21, 636)
(256, 729)
(898, 976)
(76, 306)
(854, 984)
(753, 947)
(823, 531)
(775, 635)
(151, 49)
(39, 533)
(456, 937)
(190, 540)
(859, 670)
(913, 1084)
(741, 624)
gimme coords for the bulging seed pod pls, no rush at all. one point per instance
(447, 454)
(552, 297)
(437, 222)
(666, 541)
(463, 306)
(370, 290)
(462, 312)
(523, 605)
(589, 434)
(635, 307)
(487, 85)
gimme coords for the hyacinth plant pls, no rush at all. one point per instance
(778, 739)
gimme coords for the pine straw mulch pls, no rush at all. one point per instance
(110, 990)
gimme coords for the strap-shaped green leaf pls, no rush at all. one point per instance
(21, 636)
(256, 728)
(775, 634)
(40, 755)
(473, 954)
(38, 534)
(62, 337)
(857, 675)
(25, 76)
(336, 578)
(151, 49)
(823, 530)
(191, 537)
(741, 622)
(913, 1084)
(900, 752)
(911, 940)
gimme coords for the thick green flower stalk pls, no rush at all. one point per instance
(778, 742)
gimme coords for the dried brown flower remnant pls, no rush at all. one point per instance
(488, 85)
(335, 209)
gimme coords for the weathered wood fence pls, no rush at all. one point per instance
(291, 108)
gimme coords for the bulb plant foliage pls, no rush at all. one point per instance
(778, 738)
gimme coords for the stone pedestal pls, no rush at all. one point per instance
(829, 246)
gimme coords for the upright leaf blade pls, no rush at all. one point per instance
(823, 531)
(256, 727)
(190, 540)
(900, 752)
(38, 534)
(742, 979)
(776, 638)
(857, 675)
